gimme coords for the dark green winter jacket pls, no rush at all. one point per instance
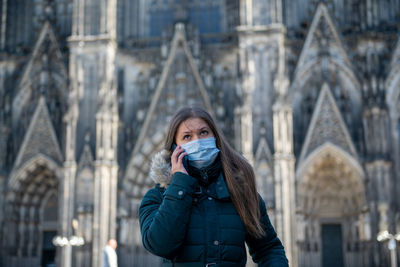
(192, 225)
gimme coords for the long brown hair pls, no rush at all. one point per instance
(239, 174)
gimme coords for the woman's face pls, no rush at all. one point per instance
(192, 129)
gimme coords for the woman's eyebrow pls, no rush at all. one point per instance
(187, 132)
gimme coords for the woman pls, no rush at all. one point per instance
(205, 206)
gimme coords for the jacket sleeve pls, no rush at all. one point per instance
(268, 250)
(164, 217)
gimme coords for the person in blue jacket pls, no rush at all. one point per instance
(205, 206)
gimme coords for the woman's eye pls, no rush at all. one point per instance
(205, 132)
(186, 137)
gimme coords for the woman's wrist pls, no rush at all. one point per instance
(184, 180)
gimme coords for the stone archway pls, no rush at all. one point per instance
(332, 208)
(136, 183)
(33, 212)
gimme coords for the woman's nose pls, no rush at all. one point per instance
(198, 136)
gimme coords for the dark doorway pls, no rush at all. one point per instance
(332, 246)
(48, 249)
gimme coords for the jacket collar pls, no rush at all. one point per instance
(218, 189)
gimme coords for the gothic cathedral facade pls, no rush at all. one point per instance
(307, 90)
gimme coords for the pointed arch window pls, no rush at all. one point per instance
(204, 15)
(84, 189)
(261, 12)
(63, 13)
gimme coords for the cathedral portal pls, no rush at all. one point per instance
(332, 208)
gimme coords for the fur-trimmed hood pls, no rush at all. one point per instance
(160, 168)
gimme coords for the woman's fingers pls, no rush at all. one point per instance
(176, 160)
(181, 156)
(174, 156)
(176, 153)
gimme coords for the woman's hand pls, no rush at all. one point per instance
(176, 160)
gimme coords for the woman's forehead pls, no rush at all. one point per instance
(192, 124)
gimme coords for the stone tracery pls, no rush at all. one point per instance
(331, 190)
(31, 204)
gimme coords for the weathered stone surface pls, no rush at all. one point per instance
(85, 100)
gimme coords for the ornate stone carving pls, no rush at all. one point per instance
(180, 84)
(40, 137)
(327, 125)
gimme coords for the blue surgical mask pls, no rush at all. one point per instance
(201, 152)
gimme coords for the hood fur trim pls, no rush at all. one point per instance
(160, 168)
